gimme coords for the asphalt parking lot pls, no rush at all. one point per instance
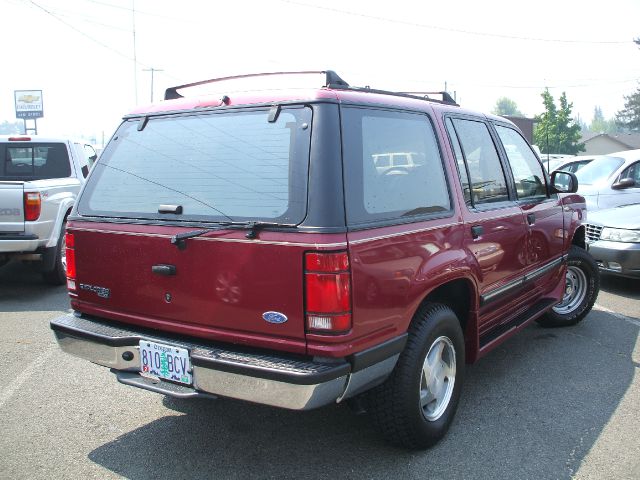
(548, 404)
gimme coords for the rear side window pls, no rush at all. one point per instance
(393, 167)
(480, 157)
(35, 161)
(220, 166)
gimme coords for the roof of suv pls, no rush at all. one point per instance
(335, 90)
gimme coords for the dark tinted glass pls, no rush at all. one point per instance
(217, 166)
(527, 171)
(34, 161)
(488, 183)
(393, 166)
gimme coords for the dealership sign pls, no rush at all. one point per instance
(29, 104)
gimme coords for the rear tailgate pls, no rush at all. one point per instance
(11, 207)
(222, 288)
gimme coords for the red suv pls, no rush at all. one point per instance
(251, 246)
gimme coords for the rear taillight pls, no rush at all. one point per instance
(32, 206)
(327, 292)
(70, 245)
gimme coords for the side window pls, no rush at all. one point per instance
(488, 182)
(633, 172)
(393, 167)
(527, 171)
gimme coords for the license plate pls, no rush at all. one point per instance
(165, 361)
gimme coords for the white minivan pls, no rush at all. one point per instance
(611, 180)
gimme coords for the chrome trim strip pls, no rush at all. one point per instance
(542, 270)
(409, 232)
(493, 294)
(228, 240)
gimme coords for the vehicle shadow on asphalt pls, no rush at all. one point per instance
(533, 408)
(22, 289)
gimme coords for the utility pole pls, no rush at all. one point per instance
(135, 59)
(152, 70)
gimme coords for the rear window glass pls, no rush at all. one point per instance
(35, 161)
(393, 166)
(217, 166)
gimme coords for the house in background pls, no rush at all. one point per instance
(604, 143)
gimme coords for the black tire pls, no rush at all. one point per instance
(583, 285)
(396, 406)
(58, 275)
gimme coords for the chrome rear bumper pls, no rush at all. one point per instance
(285, 381)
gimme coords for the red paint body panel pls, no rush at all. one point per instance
(222, 286)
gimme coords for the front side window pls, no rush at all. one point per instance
(223, 166)
(35, 161)
(527, 171)
(393, 167)
(487, 179)
(633, 172)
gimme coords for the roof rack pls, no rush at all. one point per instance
(332, 80)
(446, 96)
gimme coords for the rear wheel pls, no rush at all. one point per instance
(58, 275)
(582, 285)
(416, 405)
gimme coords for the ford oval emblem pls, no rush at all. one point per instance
(274, 317)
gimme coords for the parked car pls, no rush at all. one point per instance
(252, 247)
(611, 180)
(40, 178)
(613, 239)
(573, 164)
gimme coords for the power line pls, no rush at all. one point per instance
(457, 30)
(93, 39)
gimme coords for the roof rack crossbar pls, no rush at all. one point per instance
(332, 80)
(446, 97)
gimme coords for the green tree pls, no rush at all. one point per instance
(601, 125)
(507, 108)
(629, 117)
(556, 131)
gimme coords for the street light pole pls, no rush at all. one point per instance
(152, 70)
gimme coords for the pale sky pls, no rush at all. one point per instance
(80, 53)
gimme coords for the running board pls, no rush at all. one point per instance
(524, 317)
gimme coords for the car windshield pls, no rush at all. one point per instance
(598, 170)
(213, 167)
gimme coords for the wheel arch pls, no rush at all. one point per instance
(461, 296)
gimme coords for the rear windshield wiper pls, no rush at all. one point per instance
(179, 238)
(254, 227)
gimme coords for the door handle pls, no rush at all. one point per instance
(476, 231)
(531, 218)
(164, 269)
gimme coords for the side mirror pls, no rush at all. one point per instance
(563, 182)
(624, 183)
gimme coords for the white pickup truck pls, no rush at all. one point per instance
(40, 178)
